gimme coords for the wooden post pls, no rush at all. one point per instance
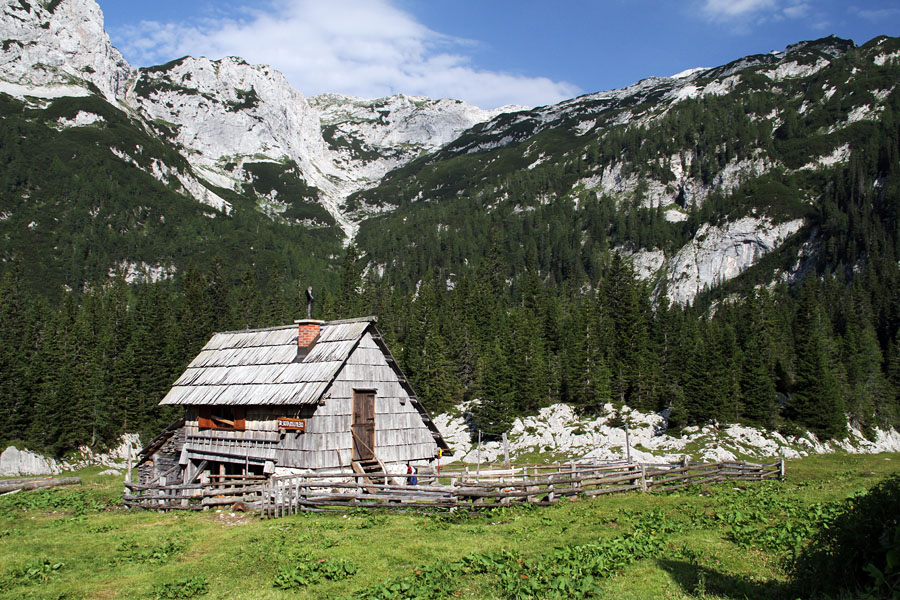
(478, 454)
(128, 472)
(781, 469)
(506, 450)
(627, 443)
(643, 477)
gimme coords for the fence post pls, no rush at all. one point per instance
(478, 469)
(643, 477)
(781, 469)
(506, 450)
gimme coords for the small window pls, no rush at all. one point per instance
(229, 418)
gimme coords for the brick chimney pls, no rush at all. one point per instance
(307, 330)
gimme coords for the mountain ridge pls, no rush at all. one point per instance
(242, 129)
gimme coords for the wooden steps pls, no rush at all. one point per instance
(367, 467)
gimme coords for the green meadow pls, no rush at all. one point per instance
(724, 541)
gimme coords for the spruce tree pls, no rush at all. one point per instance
(494, 413)
(816, 402)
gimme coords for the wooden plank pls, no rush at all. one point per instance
(38, 484)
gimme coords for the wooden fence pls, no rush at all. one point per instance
(468, 489)
(220, 490)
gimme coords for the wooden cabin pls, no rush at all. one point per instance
(312, 396)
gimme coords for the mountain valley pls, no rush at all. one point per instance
(722, 243)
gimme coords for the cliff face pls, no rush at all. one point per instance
(223, 114)
(231, 130)
(57, 45)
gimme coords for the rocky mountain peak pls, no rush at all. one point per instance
(831, 45)
(59, 43)
(222, 112)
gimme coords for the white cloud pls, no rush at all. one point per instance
(876, 15)
(797, 11)
(366, 48)
(730, 9)
(743, 13)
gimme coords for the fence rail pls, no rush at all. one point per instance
(220, 490)
(450, 489)
(543, 485)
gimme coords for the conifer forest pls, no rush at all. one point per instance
(510, 288)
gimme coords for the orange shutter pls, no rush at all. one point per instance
(204, 421)
(240, 418)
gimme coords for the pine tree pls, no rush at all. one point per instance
(589, 382)
(348, 301)
(196, 318)
(816, 402)
(528, 363)
(217, 287)
(757, 384)
(14, 408)
(246, 303)
(869, 389)
(702, 401)
(494, 413)
(634, 379)
(435, 383)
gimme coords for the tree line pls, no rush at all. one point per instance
(792, 357)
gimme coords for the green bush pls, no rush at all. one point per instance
(857, 549)
(40, 570)
(186, 587)
(312, 572)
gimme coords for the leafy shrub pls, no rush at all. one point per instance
(77, 501)
(186, 587)
(762, 517)
(312, 572)
(573, 571)
(859, 547)
(129, 552)
(40, 570)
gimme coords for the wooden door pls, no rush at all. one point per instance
(363, 426)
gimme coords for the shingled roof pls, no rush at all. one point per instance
(263, 366)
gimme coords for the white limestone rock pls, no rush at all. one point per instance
(366, 138)
(717, 254)
(24, 462)
(559, 430)
(67, 46)
(82, 119)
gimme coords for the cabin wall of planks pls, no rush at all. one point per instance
(163, 465)
(400, 434)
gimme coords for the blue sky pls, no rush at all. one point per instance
(486, 52)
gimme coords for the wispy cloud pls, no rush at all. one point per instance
(731, 9)
(797, 11)
(743, 14)
(876, 15)
(366, 48)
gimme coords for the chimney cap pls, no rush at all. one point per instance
(309, 322)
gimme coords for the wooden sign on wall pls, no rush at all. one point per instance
(289, 424)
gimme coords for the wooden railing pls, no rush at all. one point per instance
(220, 490)
(544, 485)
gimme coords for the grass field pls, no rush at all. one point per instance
(725, 541)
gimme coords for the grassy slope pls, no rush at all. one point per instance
(718, 544)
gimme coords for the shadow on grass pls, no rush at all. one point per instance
(696, 579)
